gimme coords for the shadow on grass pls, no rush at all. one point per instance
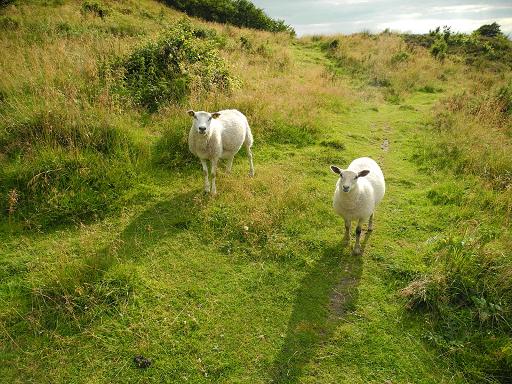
(327, 293)
(78, 295)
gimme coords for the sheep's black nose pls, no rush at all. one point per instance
(345, 189)
(202, 129)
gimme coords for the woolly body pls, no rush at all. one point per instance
(219, 135)
(360, 202)
(225, 137)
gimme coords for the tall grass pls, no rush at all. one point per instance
(466, 291)
(386, 61)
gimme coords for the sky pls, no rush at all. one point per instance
(310, 17)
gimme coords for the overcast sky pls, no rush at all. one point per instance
(348, 16)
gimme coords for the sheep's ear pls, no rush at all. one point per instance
(363, 173)
(191, 113)
(215, 115)
(335, 169)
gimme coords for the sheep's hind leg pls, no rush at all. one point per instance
(214, 176)
(205, 173)
(346, 238)
(251, 165)
(357, 246)
(370, 223)
(229, 164)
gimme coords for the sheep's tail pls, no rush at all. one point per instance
(248, 135)
(248, 145)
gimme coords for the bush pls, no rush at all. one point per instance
(439, 48)
(241, 13)
(8, 23)
(489, 30)
(486, 47)
(185, 58)
(96, 9)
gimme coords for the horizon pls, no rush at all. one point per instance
(328, 17)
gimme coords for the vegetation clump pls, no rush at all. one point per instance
(57, 173)
(168, 70)
(485, 47)
(467, 295)
(241, 13)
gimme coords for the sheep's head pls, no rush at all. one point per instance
(348, 179)
(201, 121)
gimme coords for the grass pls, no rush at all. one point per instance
(253, 285)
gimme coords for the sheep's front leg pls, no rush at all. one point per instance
(370, 223)
(346, 238)
(205, 173)
(214, 176)
(357, 246)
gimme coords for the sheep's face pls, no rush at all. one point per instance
(201, 121)
(348, 179)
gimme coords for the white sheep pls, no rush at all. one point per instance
(219, 135)
(358, 191)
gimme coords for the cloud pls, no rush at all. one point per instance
(349, 16)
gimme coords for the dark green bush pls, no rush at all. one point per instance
(489, 30)
(439, 48)
(95, 8)
(5, 3)
(241, 13)
(399, 57)
(185, 58)
(8, 23)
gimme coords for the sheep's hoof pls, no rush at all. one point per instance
(251, 174)
(356, 251)
(345, 242)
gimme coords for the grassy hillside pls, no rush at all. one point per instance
(110, 249)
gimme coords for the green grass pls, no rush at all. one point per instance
(251, 286)
(208, 306)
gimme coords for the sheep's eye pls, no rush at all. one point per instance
(210, 118)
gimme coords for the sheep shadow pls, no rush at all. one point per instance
(327, 293)
(58, 303)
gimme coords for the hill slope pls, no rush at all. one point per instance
(111, 250)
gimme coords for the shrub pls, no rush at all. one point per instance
(439, 48)
(489, 30)
(8, 23)
(241, 13)
(95, 8)
(399, 57)
(185, 58)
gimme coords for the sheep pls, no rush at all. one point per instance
(219, 135)
(358, 191)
